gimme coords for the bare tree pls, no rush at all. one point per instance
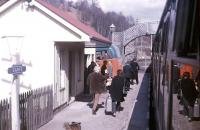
(90, 13)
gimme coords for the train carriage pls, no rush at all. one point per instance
(176, 50)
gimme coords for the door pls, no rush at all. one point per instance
(64, 76)
(61, 76)
(72, 79)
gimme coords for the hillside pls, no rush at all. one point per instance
(89, 13)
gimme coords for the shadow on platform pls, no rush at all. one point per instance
(139, 119)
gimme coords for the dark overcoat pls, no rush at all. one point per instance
(188, 90)
(116, 88)
(127, 70)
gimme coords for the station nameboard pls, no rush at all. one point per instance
(16, 69)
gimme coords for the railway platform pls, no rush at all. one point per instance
(134, 114)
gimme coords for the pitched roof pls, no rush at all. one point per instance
(86, 29)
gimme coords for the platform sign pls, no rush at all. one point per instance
(16, 69)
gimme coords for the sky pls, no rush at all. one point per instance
(139, 9)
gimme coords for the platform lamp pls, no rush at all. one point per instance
(112, 29)
(14, 44)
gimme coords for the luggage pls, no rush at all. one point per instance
(110, 106)
(196, 111)
(72, 126)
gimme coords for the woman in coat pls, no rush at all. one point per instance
(96, 81)
(116, 88)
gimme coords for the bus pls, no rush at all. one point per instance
(112, 55)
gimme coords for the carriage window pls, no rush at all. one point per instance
(156, 43)
(187, 30)
(165, 37)
(185, 99)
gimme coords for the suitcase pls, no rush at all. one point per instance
(109, 105)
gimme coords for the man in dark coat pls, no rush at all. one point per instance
(189, 93)
(135, 67)
(128, 72)
(116, 88)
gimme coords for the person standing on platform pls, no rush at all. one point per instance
(88, 70)
(96, 81)
(110, 69)
(135, 67)
(104, 70)
(188, 93)
(116, 89)
(127, 70)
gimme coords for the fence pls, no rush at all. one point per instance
(36, 109)
(5, 115)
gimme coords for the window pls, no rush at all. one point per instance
(187, 29)
(164, 41)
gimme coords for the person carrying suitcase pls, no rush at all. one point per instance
(116, 90)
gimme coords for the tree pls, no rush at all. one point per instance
(91, 14)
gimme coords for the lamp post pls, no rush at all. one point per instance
(15, 45)
(112, 29)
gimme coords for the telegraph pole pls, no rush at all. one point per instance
(15, 96)
(16, 70)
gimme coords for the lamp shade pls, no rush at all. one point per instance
(112, 27)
